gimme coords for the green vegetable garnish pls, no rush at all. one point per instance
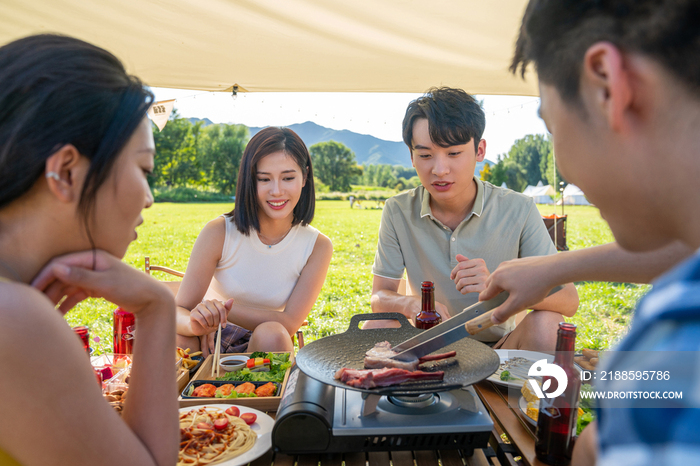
(587, 404)
(505, 376)
(583, 421)
(279, 363)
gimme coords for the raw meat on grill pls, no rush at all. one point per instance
(371, 378)
(380, 356)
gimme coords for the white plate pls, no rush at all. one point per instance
(522, 404)
(262, 426)
(505, 354)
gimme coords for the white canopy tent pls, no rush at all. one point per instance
(540, 193)
(573, 196)
(293, 45)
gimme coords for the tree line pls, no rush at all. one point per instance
(529, 161)
(192, 155)
(336, 168)
(207, 157)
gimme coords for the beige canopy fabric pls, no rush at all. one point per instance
(293, 45)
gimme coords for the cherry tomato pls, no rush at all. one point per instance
(205, 426)
(221, 423)
(249, 418)
(233, 411)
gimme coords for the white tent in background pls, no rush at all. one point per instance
(504, 185)
(573, 196)
(540, 193)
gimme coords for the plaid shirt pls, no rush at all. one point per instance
(665, 336)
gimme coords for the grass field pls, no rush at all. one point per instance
(169, 231)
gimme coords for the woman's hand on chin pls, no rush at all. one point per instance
(72, 277)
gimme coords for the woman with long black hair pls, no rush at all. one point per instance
(258, 269)
(75, 150)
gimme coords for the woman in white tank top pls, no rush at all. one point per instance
(259, 268)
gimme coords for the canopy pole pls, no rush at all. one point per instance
(554, 177)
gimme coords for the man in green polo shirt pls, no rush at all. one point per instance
(455, 228)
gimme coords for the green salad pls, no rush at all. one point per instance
(233, 394)
(587, 405)
(279, 363)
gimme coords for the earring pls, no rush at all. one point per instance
(53, 175)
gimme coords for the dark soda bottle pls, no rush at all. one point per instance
(556, 423)
(428, 316)
(124, 325)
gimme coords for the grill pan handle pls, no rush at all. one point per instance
(357, 318)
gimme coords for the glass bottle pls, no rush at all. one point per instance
(556, 423)
(84, 333)
(428, 316)
(124, 325)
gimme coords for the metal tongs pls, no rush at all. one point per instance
(470, 321)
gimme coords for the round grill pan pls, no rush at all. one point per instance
(322, 358)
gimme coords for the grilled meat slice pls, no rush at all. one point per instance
(371, 378)
(437, 357)
(380, 357)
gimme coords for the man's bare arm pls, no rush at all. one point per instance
(528, 280)
(564, 301)
(385, 298)
(586, 448)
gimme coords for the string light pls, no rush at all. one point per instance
(494, 113)
(513, 107)
(192, 96)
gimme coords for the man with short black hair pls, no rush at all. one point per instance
(620, 89)
(454, 228)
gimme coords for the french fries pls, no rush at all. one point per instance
(187, 361)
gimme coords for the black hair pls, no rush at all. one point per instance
(454, 117)
(555, 35)
(268, 141)
(57, 90)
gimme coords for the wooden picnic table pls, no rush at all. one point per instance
(507, 420)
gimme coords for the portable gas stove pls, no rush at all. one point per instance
(317, 418)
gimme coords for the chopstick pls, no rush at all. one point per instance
(217, 354)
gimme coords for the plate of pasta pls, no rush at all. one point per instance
(223, 434)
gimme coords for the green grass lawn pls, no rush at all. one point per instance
(169, 231)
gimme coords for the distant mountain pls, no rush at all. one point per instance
(206, 121)
(368, 149)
